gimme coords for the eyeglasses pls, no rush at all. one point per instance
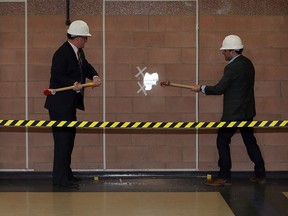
(84, 37)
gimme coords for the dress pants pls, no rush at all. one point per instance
(253, 150)
(63, 146)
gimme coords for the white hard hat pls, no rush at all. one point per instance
(232, 42)
(78, 28)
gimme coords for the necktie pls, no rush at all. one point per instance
(80, 63)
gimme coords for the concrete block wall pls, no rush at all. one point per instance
(161, 37)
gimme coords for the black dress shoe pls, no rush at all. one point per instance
(75, 179)
(67, 185)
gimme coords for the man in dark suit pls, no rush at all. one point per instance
(69, 67)
(237, 86)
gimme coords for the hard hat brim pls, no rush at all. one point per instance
(75, 35)
(227, 48)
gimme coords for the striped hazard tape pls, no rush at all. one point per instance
(143, 125)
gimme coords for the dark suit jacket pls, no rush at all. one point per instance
(237, 85)
(65, 71)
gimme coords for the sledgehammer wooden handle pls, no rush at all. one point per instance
(168, 83)
(54, 91)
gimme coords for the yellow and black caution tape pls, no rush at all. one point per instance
(143, 125)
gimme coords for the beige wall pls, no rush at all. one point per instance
(160, 36)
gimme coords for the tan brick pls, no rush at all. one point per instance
(12, 73)
(120, 72)
(271, 23)
(267, 88)
(189, 55)
(127, 55)
(264, 56)
(180, 105)
(148, 39)
(10, 23)
(277, 40)
(119, 105)
(135, 23)
(227, 23)
(180, 39)
(207, 23)
(188, 23)
(165, 154)
(8, 56)
(41, 154)
(164, 23)
(119, 40)
(284, 56)
(16, 40)
(208, 154)
(131, 154)
(12, 105)
(275, 72)
(274, 153)
(151, 139)
(210, 103)
(40, 56)
(92, 154)
(179, 72)
(149, 105)
(164, 55)
(10, 89)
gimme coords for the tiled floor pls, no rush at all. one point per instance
(113, 203)
(143, 196)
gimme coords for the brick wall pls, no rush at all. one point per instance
(161, 37)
